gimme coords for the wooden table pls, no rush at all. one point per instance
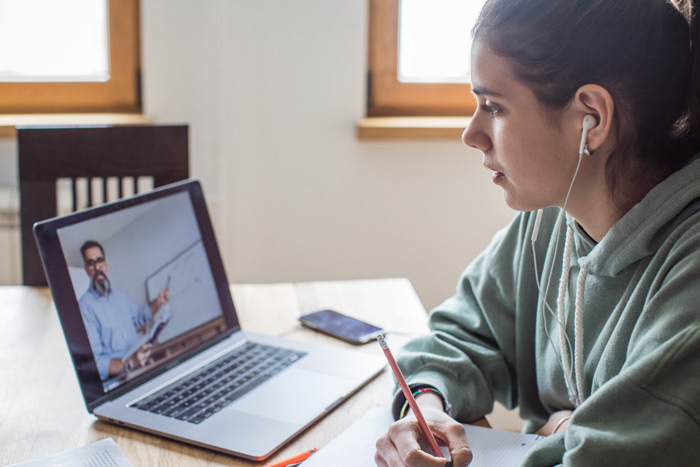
(42, 411)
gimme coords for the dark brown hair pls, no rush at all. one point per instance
(91, 244)
(639, 50)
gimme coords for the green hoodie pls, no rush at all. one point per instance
(637, 327)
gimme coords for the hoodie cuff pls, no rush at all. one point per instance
(400, 401)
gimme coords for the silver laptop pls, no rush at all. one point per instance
(149, 320)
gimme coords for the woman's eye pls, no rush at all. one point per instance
(491, 110)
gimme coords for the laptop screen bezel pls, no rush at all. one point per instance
(66, 301)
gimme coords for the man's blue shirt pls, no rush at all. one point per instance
(111, 322)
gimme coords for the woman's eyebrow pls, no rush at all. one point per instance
(481, 91)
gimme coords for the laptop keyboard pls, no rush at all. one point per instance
(218, 384)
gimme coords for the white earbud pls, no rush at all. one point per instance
(588, 123)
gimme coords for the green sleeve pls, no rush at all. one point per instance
(470, 353)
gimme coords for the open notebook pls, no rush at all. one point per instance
(355, 446)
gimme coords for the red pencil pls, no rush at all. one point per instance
(409, 397)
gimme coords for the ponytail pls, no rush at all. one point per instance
(690, 127)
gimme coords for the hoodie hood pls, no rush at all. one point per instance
(640, 232)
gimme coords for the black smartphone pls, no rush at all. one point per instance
(341, 326)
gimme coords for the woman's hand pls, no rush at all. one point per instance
(399, 446)
(557, 423)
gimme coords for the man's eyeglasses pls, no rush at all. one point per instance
(92, 262)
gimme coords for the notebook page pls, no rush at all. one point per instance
(355, 446)
(103, 453)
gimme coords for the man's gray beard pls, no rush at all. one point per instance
(101, 288)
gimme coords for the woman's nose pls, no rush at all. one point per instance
(475, 138)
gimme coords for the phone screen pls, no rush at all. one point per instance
(341, 326)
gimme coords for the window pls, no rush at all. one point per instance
(49, 64)
(419, 57)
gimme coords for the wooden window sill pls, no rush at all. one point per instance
(8, 122)
(448, 128)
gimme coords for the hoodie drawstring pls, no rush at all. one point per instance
(572, 377)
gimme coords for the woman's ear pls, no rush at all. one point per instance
(595, 100)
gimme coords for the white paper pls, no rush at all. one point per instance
(103, 453)
(355, 446)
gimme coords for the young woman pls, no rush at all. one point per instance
(584, 312)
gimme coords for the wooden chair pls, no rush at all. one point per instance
(90, 157)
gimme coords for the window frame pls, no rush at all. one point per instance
(389, 97)
(121, 93)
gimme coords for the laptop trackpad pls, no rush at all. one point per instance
(294, 396)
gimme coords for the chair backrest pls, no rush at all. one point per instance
(121, 153)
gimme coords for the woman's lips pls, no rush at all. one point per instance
(496, 176)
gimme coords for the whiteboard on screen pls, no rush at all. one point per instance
(193, 296)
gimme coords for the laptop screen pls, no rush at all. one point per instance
(142, 279)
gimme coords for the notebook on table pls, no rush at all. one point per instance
(151, 327)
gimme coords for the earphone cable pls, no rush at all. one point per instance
(568, 372)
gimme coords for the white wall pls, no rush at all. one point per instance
(272, 90)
